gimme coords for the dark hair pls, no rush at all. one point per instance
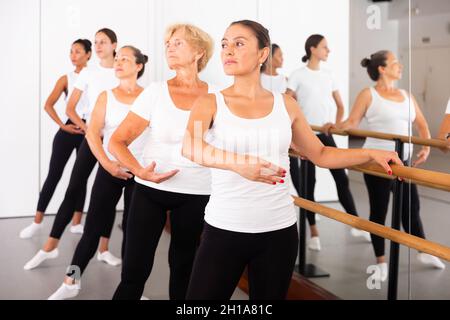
(274, 48)
(110, 34)
(312, 41)
(260, 32)
(140, 59)
(85, 43)
(378, 59)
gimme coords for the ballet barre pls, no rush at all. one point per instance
(432, 179)
(397, 236)
(436, 143)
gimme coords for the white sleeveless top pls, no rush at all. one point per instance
(165, 140)
(83, 102)
(391, 117)
(115, 113)
(276, 84)
(93, 80)
(238, 204)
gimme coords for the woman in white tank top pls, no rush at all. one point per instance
(165, 181)
(270, 78)
(250, 218)
(67, 139)
(388, 109)
(112, 178)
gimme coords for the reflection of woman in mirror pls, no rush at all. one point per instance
(444, 131)
(270, 78)
(92, 81)
(250, 219)
(67, 139)
(165, 180)
(387, 109)
(112, 178)
(317, 93)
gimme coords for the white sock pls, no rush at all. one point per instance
(383, 271)
(30, 231)
(40, 257)
(314, 244)
(65, 291)
(109, 258)
(381, 274)
(428, 259)
(77, 228)
(361, 233)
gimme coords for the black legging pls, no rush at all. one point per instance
(339, 176)
(379, 190)
(223, 256)
(84, 164)
(145, 224)
(63, 145)
(106, 193)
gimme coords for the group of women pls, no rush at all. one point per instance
(216, 160)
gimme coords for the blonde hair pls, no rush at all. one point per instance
(197, 38)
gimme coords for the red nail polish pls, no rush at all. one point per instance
(282, 181)
(274, 183)
(390, 172)
(283, 176)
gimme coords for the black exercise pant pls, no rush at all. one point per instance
(63, 145)
(147, 217)
(223, 256)
(379, 190)
(106, 193)
(84, 164)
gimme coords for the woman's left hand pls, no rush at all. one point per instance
(385, 158)
(422, 156)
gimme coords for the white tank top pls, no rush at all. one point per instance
(165, 140)
(115, 113)
(276, 84)
(391, 117)
(238, 204)
(83, 102)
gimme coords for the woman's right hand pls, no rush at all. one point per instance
(72, 129)
(117, 171)
(149, 174)
(327, 127)
(256, 169)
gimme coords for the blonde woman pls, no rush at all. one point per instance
(166, 181)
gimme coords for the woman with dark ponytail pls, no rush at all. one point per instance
(67, 139)
(112, 177)
(317, 93)
(390, 110)
(270, 78)
(92, 81)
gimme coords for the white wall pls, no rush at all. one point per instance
(141, 23)
(430, 63)
(364, 41)
(19, 101)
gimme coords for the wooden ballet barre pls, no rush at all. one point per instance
(436, 143)
(386, 176)
(427, 178)
(400, 237)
